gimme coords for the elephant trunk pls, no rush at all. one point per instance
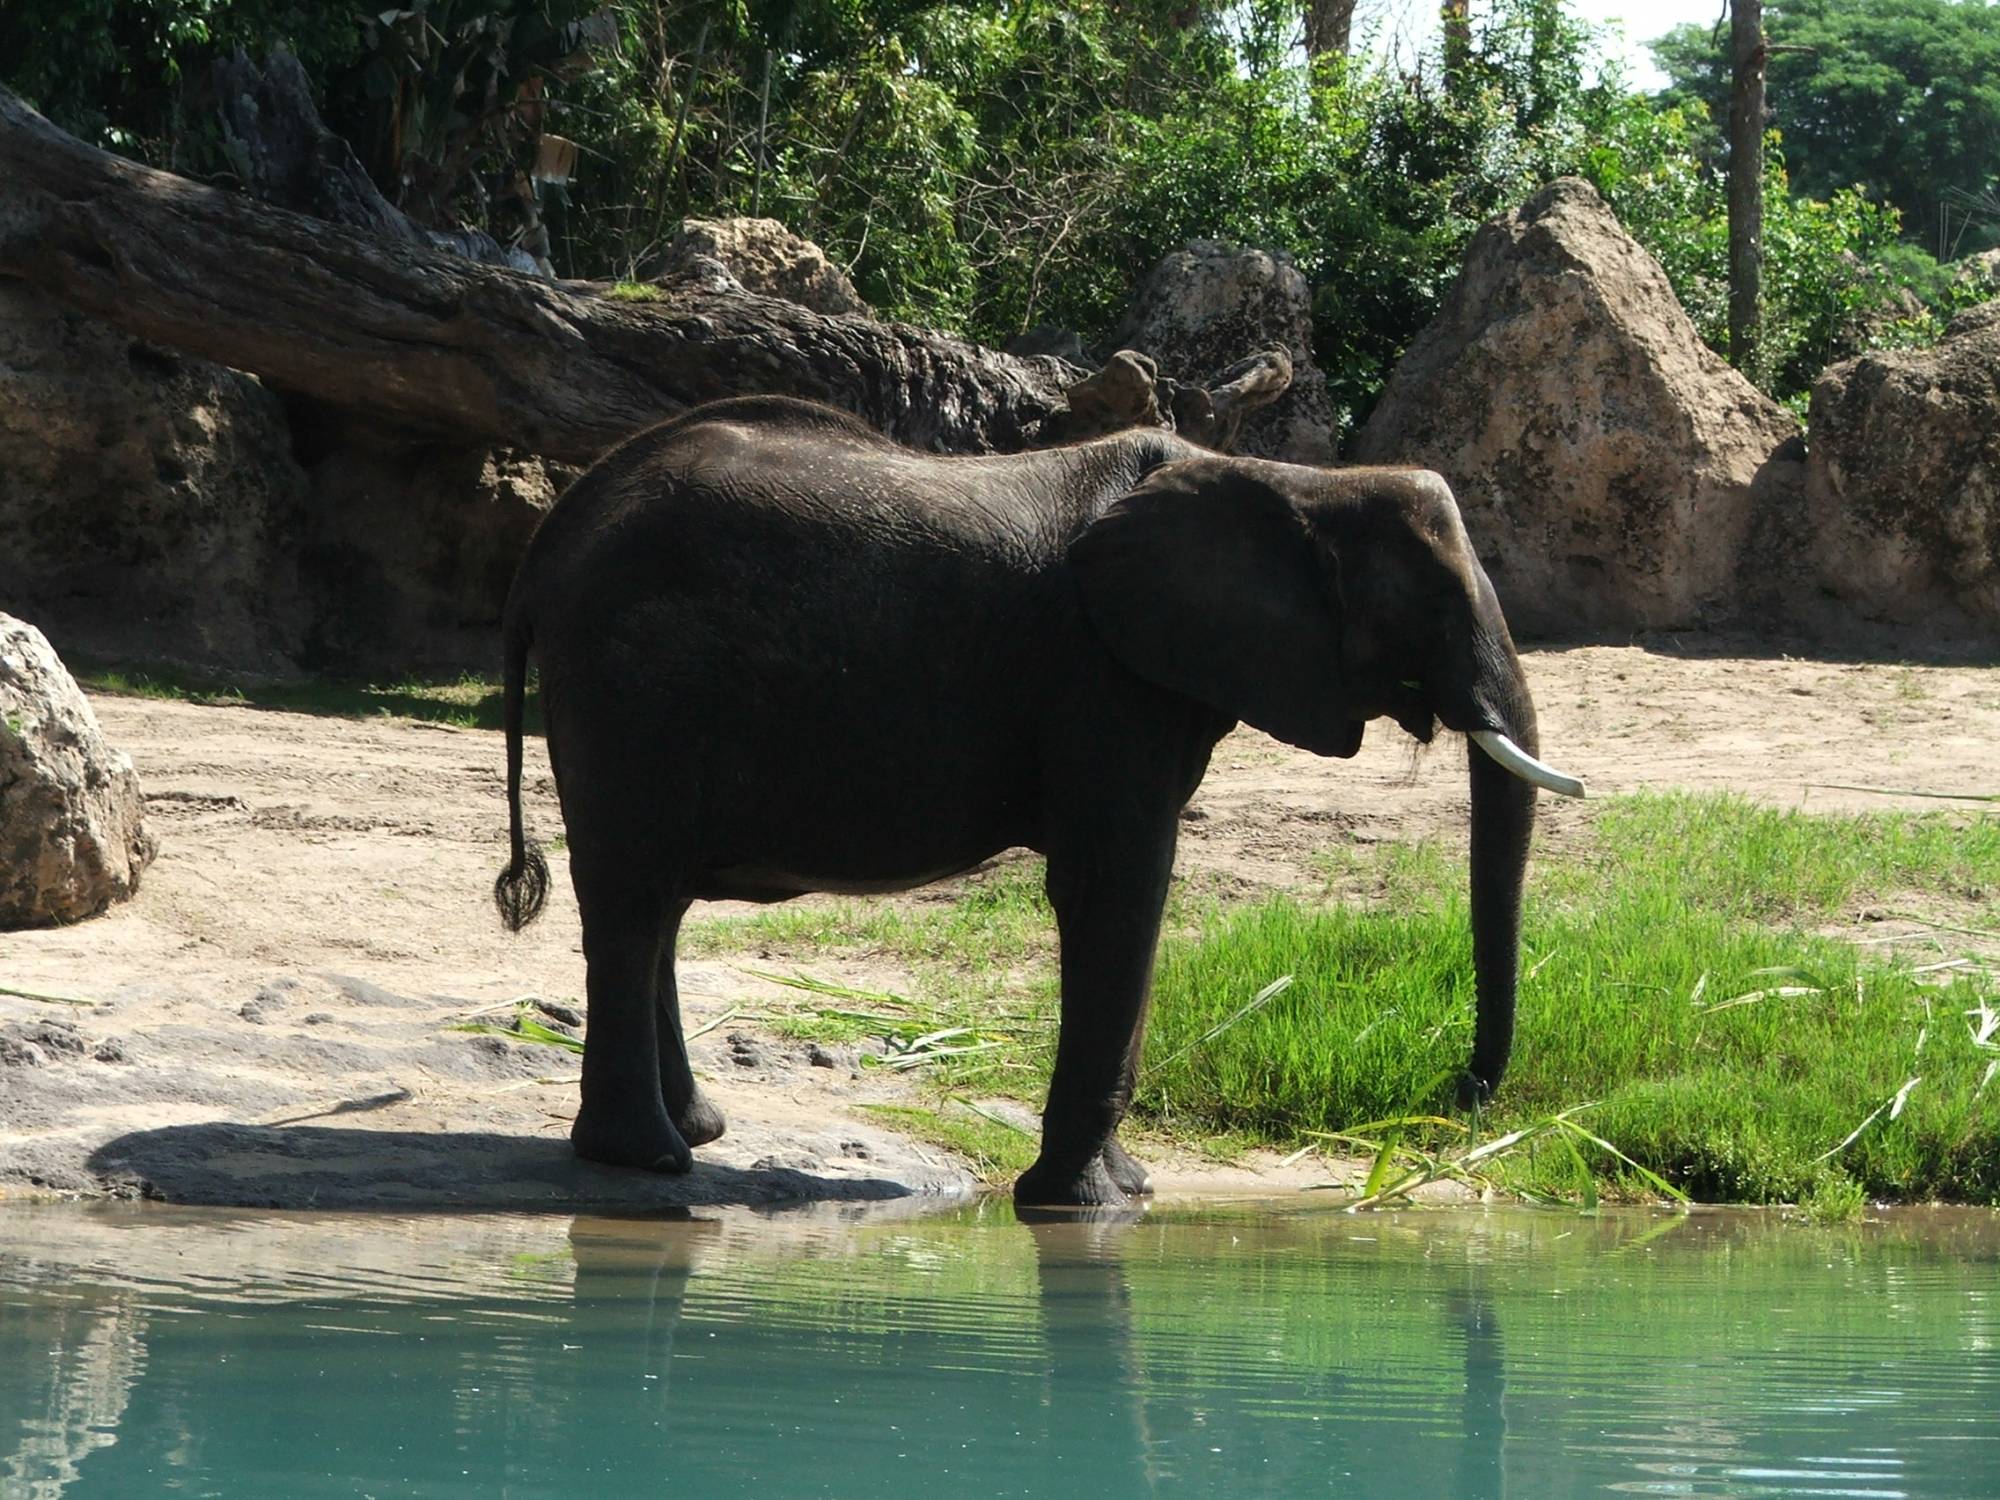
(1503, 823)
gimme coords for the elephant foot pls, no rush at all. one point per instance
(1131, 1177)
(1088, 1186)
(700, 1122)
(653, 1145)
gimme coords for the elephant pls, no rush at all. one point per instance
(781, 653)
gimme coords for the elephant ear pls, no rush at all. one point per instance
(1211, 584)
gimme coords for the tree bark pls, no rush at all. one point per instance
(1746, 178)
(472, 352)
(1329, 27)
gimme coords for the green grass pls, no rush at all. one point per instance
(1674, 974)
(468, 701)
(634, 291)
(1001, 919)
(1682, 971)
(998, 1152)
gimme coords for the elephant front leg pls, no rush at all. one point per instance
(1107, 899)
(1125, 1169)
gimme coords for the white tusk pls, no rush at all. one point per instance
(1524, 765)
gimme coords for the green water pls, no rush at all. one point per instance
(146, 1351)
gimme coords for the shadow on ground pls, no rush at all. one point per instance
(314, 1166)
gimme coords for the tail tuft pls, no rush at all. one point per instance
(522, 888)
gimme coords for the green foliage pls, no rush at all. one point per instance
(1900, 98)
(132, 75)
(444, 102)
(995, 166)
(1735, 1050)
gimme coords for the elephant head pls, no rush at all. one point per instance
(1307, 602)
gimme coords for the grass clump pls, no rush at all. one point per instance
(1672, 974)
(1834, 1198)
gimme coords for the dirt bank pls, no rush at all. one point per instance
(270, 1018)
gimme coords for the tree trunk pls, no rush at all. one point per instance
(1329, 27)
(1746, 179)
(482, 354)
(1456, 20)
(288, 158)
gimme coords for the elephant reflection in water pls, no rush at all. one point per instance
(1094, 1379)
(55, 1414)
(1124, 1392)
(632, 1276)
(1482, 1467)
(1151, 1426)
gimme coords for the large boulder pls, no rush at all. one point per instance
(1903, 480)
(1606, 460)
(1202, 309)
(765, 258)
(149, 501)
(72, 831)
(410, 546)
(157, 508)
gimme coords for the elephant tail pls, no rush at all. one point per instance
(524, 885)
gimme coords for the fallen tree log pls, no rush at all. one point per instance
(434, 342)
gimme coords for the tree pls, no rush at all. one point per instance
(1329, 27)
(1899, 97)
(1746, 177)
(438, 343)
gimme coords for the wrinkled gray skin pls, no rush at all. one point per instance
(780, 654)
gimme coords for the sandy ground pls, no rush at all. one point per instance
(270, 1017)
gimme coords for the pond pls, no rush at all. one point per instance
(1219, 1350)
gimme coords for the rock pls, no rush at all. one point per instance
(1607, 462)
(17, 1053)
(1202, 309)
(52, 1039)
(72, 834)
(412, 546)
(1124, 393)
(556, 1010)
(149, 500)
(787, 1161)
(766, 258)
(158, 508)
(259, 1009)
(1903, 480)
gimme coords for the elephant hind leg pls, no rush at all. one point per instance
(623, 1119)
(694, 1114)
